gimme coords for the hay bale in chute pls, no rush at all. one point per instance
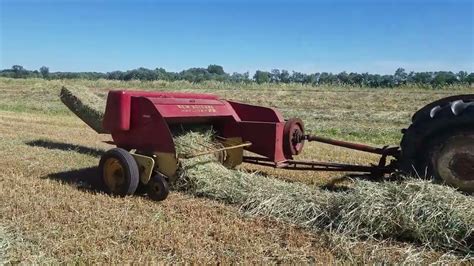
(85, 105)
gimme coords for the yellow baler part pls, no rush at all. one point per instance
(234, 156)
(167, 164)
(145, 166)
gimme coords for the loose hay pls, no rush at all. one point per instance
(86, 105)
(414, 210)
(4, 244)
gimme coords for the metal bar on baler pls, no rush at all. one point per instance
(326, 166)
(316, 166)
(345, 144)
(188, 156)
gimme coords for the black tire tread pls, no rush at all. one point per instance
(159, 179)
(425, 130)
(131, 168)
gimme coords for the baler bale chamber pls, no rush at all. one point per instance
(142, 124)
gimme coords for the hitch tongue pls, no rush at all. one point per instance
(386, 150)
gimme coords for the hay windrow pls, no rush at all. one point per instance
(4, 244)
(86, 105)
(414, 210)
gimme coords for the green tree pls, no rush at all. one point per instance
(261, 76)
(444, 78)
(18, 71)
(400, 76)
(423, 77)
(343, 77)
(275, 76)
(470, 79)
(216, 69)
(298, 77)
(355, 79)
(44, 72)
(324, 78)
(462, 75)
(284, 76)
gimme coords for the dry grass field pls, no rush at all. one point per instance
(50, 211)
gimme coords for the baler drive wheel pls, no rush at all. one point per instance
(119, 172)
(157, 187)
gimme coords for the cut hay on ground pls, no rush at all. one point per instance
(86, 105)
(4, 244)
(416, 211)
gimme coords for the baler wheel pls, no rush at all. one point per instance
(157, 187)
(119, 172)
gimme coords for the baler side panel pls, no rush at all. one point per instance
(248, 112)
(263, 127)
(182, 110)
(156, 94)
(148, 129)
(266, 139)
(117, 111)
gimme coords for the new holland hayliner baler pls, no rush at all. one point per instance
(438, 143)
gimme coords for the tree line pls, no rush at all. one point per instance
(216, 72)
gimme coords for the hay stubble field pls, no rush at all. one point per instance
(50, 211)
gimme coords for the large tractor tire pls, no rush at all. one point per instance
(439, 143)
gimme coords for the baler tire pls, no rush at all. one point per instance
(431, 130)
(157, 187)
(124, 166)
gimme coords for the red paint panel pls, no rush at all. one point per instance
(156, 94)
(188, 101)
(187, 109)
(266, 138)
(249, 112)
(148, 129)
(117, 111)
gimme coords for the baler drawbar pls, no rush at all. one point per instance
(141, 126)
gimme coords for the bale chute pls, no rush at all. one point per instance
(85, 105)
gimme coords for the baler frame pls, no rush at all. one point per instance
(376, 171)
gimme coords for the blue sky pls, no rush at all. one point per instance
(308, 36)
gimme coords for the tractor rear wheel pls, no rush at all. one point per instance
(440, 143)
(157, 187)
(452, 160)
(119, 172)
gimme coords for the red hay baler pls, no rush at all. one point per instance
(439, 142)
